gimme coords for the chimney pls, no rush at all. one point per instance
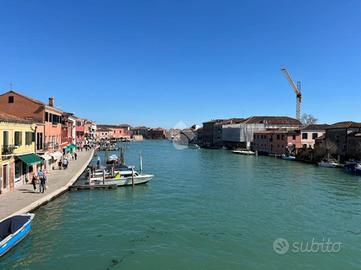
(51, 102)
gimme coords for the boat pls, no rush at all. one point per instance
(353, 168)
(13, 230)
(243, 152)
(121, 175)
(112, 159)
(329, 164)
(288, 157)
(193, 146)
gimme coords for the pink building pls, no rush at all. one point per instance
(277, 142)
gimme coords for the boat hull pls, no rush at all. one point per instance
(127, 181)
(11, 241)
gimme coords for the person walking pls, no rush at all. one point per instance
(75, 156)
(34, 181)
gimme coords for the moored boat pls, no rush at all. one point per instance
(13, 230)
(288, 157)
(329, 164)
(243, 152)
(353, 168)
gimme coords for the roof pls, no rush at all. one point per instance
(277, 131)
(113, 126)
(316, 127)
(4, 117)
(100, 129)
(32, 100)
(273, 120)
(345, 124)
(225, 121)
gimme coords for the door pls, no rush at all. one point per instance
(5, 177)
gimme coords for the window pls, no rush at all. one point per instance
(278, 137)
(314, 135)
(304, 136)
(46, 117)
(18, 138)
(294, 137)
(29, 136)
(5, 138)
(11, 99)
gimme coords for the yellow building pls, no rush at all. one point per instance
(18, 160)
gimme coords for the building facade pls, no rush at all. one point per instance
(276, 142)
(310, 133)
(47, 118)
(340, 142)
(241, 135)
(18, 160)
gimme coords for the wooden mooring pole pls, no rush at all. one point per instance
(133, 177)
(103, 177)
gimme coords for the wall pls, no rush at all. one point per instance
(22, 107)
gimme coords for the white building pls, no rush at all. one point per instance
(310, 133)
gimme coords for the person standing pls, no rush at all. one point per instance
(75, 155)
(41, 177)
(65, 163)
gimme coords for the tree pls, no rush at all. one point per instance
(308, 119)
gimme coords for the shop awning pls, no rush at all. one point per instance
(71, 146)
(56, 155)
(46, 156)
(30, 159)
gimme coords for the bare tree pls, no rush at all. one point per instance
(308, 119)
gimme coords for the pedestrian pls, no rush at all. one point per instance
(65, 163)
(72, 155)
(41, 177)
(34, 181)
(75, 156)
(60, 164)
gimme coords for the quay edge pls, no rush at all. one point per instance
(44, 200)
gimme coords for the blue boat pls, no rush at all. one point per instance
(13, 230)
(353, 168)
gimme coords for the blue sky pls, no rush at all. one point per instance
(160, 62)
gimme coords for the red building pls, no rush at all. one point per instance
(277, 142)
(47, 118)
(115, 131)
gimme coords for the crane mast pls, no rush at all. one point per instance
(297, 90)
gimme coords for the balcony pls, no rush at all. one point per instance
(8, 150)
(51, 146)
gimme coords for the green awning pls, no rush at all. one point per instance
(72, 146)
(30, 159)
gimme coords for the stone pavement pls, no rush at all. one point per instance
(23, 199)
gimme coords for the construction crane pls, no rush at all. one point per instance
(297, 89)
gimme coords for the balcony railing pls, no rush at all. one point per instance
(8, 150)
(51, 146)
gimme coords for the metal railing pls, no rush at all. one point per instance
(7, 150)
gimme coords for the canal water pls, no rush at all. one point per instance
(204, 209)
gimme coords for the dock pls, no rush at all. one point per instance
(91, 187)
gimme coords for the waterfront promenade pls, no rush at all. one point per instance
(24, 199)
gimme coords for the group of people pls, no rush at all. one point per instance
(39, 179)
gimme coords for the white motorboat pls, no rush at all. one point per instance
(328, 164)
(120, 175)
(286, 157)
(243, 152)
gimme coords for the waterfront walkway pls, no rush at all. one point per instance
(24, 199)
